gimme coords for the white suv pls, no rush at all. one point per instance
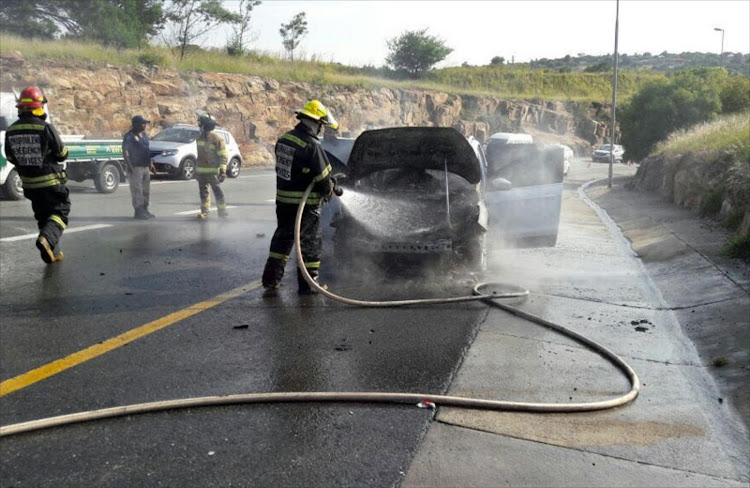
(174, 151)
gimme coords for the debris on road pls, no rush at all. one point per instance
(243, 326)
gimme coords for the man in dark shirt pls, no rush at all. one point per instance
(34, 147)
(300, 161)
(139, 166)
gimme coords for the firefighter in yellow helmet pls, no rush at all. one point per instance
(211, 168)
(299, 161)
(34, 147)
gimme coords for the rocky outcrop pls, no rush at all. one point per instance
(705, 182)
(99, 101)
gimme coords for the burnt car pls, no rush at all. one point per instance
(411, 195)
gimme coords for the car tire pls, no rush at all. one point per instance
(233, 168)
(13, 187)
(187, 169)
(108, 179)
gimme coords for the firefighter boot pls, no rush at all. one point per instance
(272, 274)
(304, 287)
(47, 252)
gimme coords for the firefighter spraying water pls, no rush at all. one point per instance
(300, 161)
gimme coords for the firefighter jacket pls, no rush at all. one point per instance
(299, 161)
(212, 154)
(36, 150)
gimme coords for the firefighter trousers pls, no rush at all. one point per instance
(51, 207)
(206, 183)
(311, 240)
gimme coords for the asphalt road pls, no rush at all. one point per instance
(163, 282)
(119, 274)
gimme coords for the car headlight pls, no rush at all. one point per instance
(169, 152)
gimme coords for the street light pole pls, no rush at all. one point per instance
(721, 56)
(614, 100)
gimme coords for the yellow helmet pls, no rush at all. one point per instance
(317, 111)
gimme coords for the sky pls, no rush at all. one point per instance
(355, 32)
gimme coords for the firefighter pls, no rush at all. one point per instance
(300, 161)
(36, 150)
(211, 169)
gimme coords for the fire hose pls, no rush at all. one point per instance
(371, 397)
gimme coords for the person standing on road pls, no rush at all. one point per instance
(139, 166)
(300, 161)
(211, 168)
(34, 147)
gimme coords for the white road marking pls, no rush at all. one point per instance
(68, 231)
(195, 212)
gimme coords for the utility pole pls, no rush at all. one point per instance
(614, 100)
(721, 56)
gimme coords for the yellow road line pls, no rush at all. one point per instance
(50, 369)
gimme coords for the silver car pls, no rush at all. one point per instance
(602, 153)
(175, 152)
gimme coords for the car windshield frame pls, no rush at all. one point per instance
(183, 135)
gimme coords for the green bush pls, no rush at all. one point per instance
(151, 59)
(739, 247)
(663, 107)
(711, 202)
(735, 94)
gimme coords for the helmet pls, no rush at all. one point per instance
(31, 100)
(206, 122)
(317, 111)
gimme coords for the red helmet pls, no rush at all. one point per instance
(31, 98)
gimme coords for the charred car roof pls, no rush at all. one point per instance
(415, 147)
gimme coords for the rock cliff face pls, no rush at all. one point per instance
(706, 182)
(99, 100)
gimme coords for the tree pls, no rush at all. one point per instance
(236, 46)
(662, 107)
(416, 52)
(191, 19)
(497, 61)
(293, 32)
(128, 23)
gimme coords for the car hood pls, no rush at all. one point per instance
(417, 147)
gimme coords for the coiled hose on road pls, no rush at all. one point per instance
(370, 397)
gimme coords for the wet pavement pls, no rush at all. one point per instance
(128, 274)
(680, 431)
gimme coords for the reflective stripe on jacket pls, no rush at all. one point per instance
(300, 161)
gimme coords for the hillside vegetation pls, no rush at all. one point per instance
(706, 167)
(503, 81)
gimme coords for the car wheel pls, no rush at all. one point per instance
(187, 169)
(108, 179)
(233, 168)
(13, 187)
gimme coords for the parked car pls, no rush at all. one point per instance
(603, 153)
(528, 215)
(416, 195)
(174, 151)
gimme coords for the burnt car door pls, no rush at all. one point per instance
(527, 215)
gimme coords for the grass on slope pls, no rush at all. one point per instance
(515, 81)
